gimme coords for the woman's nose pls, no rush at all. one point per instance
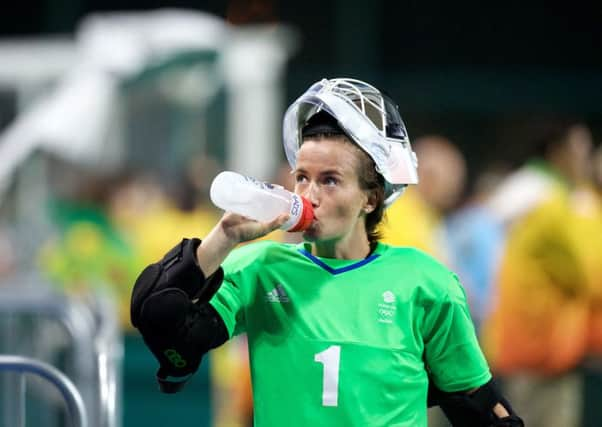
(311, 193)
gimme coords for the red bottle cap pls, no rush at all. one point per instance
(307, 216)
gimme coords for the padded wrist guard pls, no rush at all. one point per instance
(177, 330)
(475, 409)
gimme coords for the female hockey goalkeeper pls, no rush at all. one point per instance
(342, 329)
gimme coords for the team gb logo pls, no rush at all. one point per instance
(388, 297)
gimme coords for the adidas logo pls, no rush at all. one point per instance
(278, 294)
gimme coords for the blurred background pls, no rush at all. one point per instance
(115, 117)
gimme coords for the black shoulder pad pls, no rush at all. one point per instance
(178, 269)
(143, 288)
(181, 270)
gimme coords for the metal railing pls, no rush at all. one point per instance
(93, 343)
(22, 366)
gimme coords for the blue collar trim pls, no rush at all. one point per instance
(336, 271)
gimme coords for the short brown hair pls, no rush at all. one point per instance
(371, 180)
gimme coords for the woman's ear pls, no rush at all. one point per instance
(371, 201)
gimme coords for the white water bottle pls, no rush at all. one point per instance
(260, 201)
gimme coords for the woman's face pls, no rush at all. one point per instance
(327, 175)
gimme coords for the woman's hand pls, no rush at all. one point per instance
(239, 229)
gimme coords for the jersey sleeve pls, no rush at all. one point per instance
(240, 270)
(229, 305)
(452, 352)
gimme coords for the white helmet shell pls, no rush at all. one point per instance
(365, 115)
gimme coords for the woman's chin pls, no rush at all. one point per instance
(312, 233)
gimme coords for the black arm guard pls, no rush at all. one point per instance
(177, 330)
(473, 409)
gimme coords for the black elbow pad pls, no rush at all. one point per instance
(177, 330)
(179, 333)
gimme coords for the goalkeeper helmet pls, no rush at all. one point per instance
(368, 117)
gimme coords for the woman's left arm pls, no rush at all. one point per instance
(483, 406)
(459, 377)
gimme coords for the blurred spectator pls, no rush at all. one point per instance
(592, 368)
(87, 252)
(537, 333)
(475, 239)
(109, 226)
(416, 219)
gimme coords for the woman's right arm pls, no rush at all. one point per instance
(170, 300)
(231, 230)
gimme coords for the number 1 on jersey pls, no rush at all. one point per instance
(330, 359)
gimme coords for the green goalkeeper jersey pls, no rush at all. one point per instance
(346, 342)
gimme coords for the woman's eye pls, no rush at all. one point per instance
(331, 181)
(300, 178)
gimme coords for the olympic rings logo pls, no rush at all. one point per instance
(174, 357)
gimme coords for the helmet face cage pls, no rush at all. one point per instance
(370, 118)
